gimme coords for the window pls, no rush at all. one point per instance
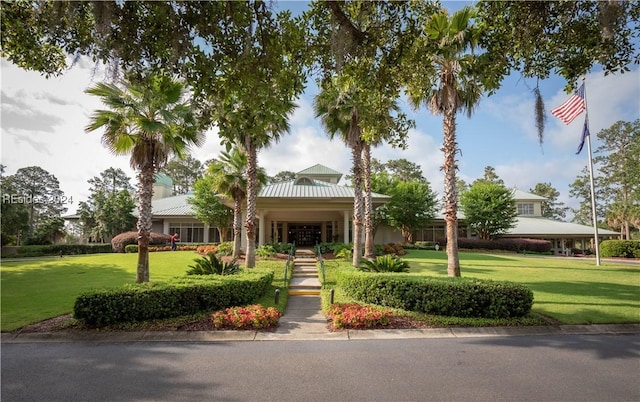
(304, 181)
(188, 232)
(525, 209)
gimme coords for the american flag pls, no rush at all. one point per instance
(572, 108)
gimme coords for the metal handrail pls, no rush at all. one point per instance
(290, 258)
(321, 261)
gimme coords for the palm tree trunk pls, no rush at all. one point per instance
(369, 230)
(237, 228)
(252, 195)
(356, 153)
(145, 194)
(450, 193)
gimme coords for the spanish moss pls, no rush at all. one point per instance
(541, 116)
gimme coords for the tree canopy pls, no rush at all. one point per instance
(489, 209)
(551, 207)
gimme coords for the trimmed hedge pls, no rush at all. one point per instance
(57, 249)
(177, 297)
(620, 248)
(506, 244)
(122, 240)
(458, 297)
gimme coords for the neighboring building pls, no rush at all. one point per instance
(530, 224)
(313, 208)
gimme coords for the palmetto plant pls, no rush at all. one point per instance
(384, 263)
(212, 265)
(150, 120)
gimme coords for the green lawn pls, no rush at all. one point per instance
(39, 289)
(573, 291)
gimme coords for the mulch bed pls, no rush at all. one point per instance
(65, 323)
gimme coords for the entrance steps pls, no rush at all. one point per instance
(304, 275)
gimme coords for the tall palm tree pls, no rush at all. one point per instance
(337, 107)
(276, 126)
(230, 172)
(150, 120)
(447, 80)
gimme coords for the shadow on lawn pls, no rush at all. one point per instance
(612, 291)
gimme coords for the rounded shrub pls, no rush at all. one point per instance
(620, 248)
(119, 242)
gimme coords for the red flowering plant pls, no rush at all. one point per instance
(353, 315)
(254, 316)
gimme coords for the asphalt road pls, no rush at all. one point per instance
(504, 368)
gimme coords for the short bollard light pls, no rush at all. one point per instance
(331, 294)
(277, 296)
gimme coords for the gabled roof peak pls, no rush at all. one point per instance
(318, 169)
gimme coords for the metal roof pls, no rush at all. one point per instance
(319, 189)
(539, 226)
(164, 179)
(318, 169)
(172, 206)
(520, 195)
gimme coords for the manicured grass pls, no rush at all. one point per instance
(35, 290)
(573, 291)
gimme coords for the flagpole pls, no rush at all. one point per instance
(593, 191)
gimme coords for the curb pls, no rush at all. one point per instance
(351, 334)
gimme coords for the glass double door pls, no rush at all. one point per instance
(305, 235)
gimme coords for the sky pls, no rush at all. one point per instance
(43, 120)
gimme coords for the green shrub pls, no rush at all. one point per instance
(266, 250)
(385, 263)
(620, 248)
(334, 247)
(212, 265)
(178, 297)
(458, 297)
(421, 245)
(131, 248)
(344, 253)
(61, 249)
(280, 248)
(507, 244)
(225, 248)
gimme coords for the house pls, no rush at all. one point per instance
(313, 208)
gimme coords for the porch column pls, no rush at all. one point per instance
(205, 237)
(274, 232)
(165, 227)
(345, 229)
(261, 229)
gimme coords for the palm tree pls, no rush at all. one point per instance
(338, 110)
(451, 83)
(149, 120)
(274, 128)
(230, 172)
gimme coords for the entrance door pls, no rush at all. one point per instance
(305, 235)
